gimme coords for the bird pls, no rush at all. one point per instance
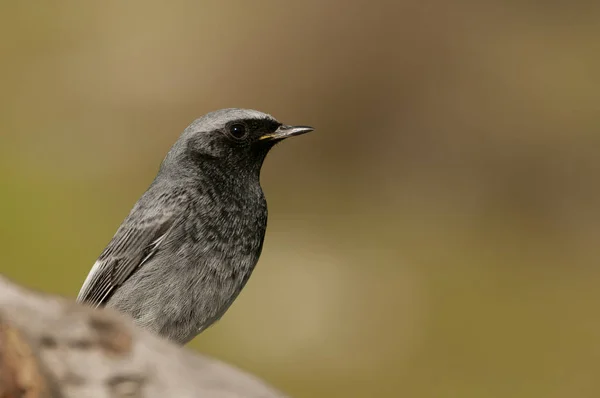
(191, 242)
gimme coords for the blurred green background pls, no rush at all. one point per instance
(437, 236)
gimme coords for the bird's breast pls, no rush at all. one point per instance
(232, 223)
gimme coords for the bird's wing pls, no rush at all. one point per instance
(135, 242)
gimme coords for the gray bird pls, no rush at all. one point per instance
(190, 243)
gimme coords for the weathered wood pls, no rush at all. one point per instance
(51, 347)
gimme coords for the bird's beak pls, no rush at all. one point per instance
(285, 131)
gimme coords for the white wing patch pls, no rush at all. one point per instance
(88, 280)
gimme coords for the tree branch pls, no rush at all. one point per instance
(51, 347)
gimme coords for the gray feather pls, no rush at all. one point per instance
(136, 241)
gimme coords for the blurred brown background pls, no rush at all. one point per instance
(437, 236)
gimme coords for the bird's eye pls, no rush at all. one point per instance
(238, 131)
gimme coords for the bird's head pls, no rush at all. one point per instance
(233, 140)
